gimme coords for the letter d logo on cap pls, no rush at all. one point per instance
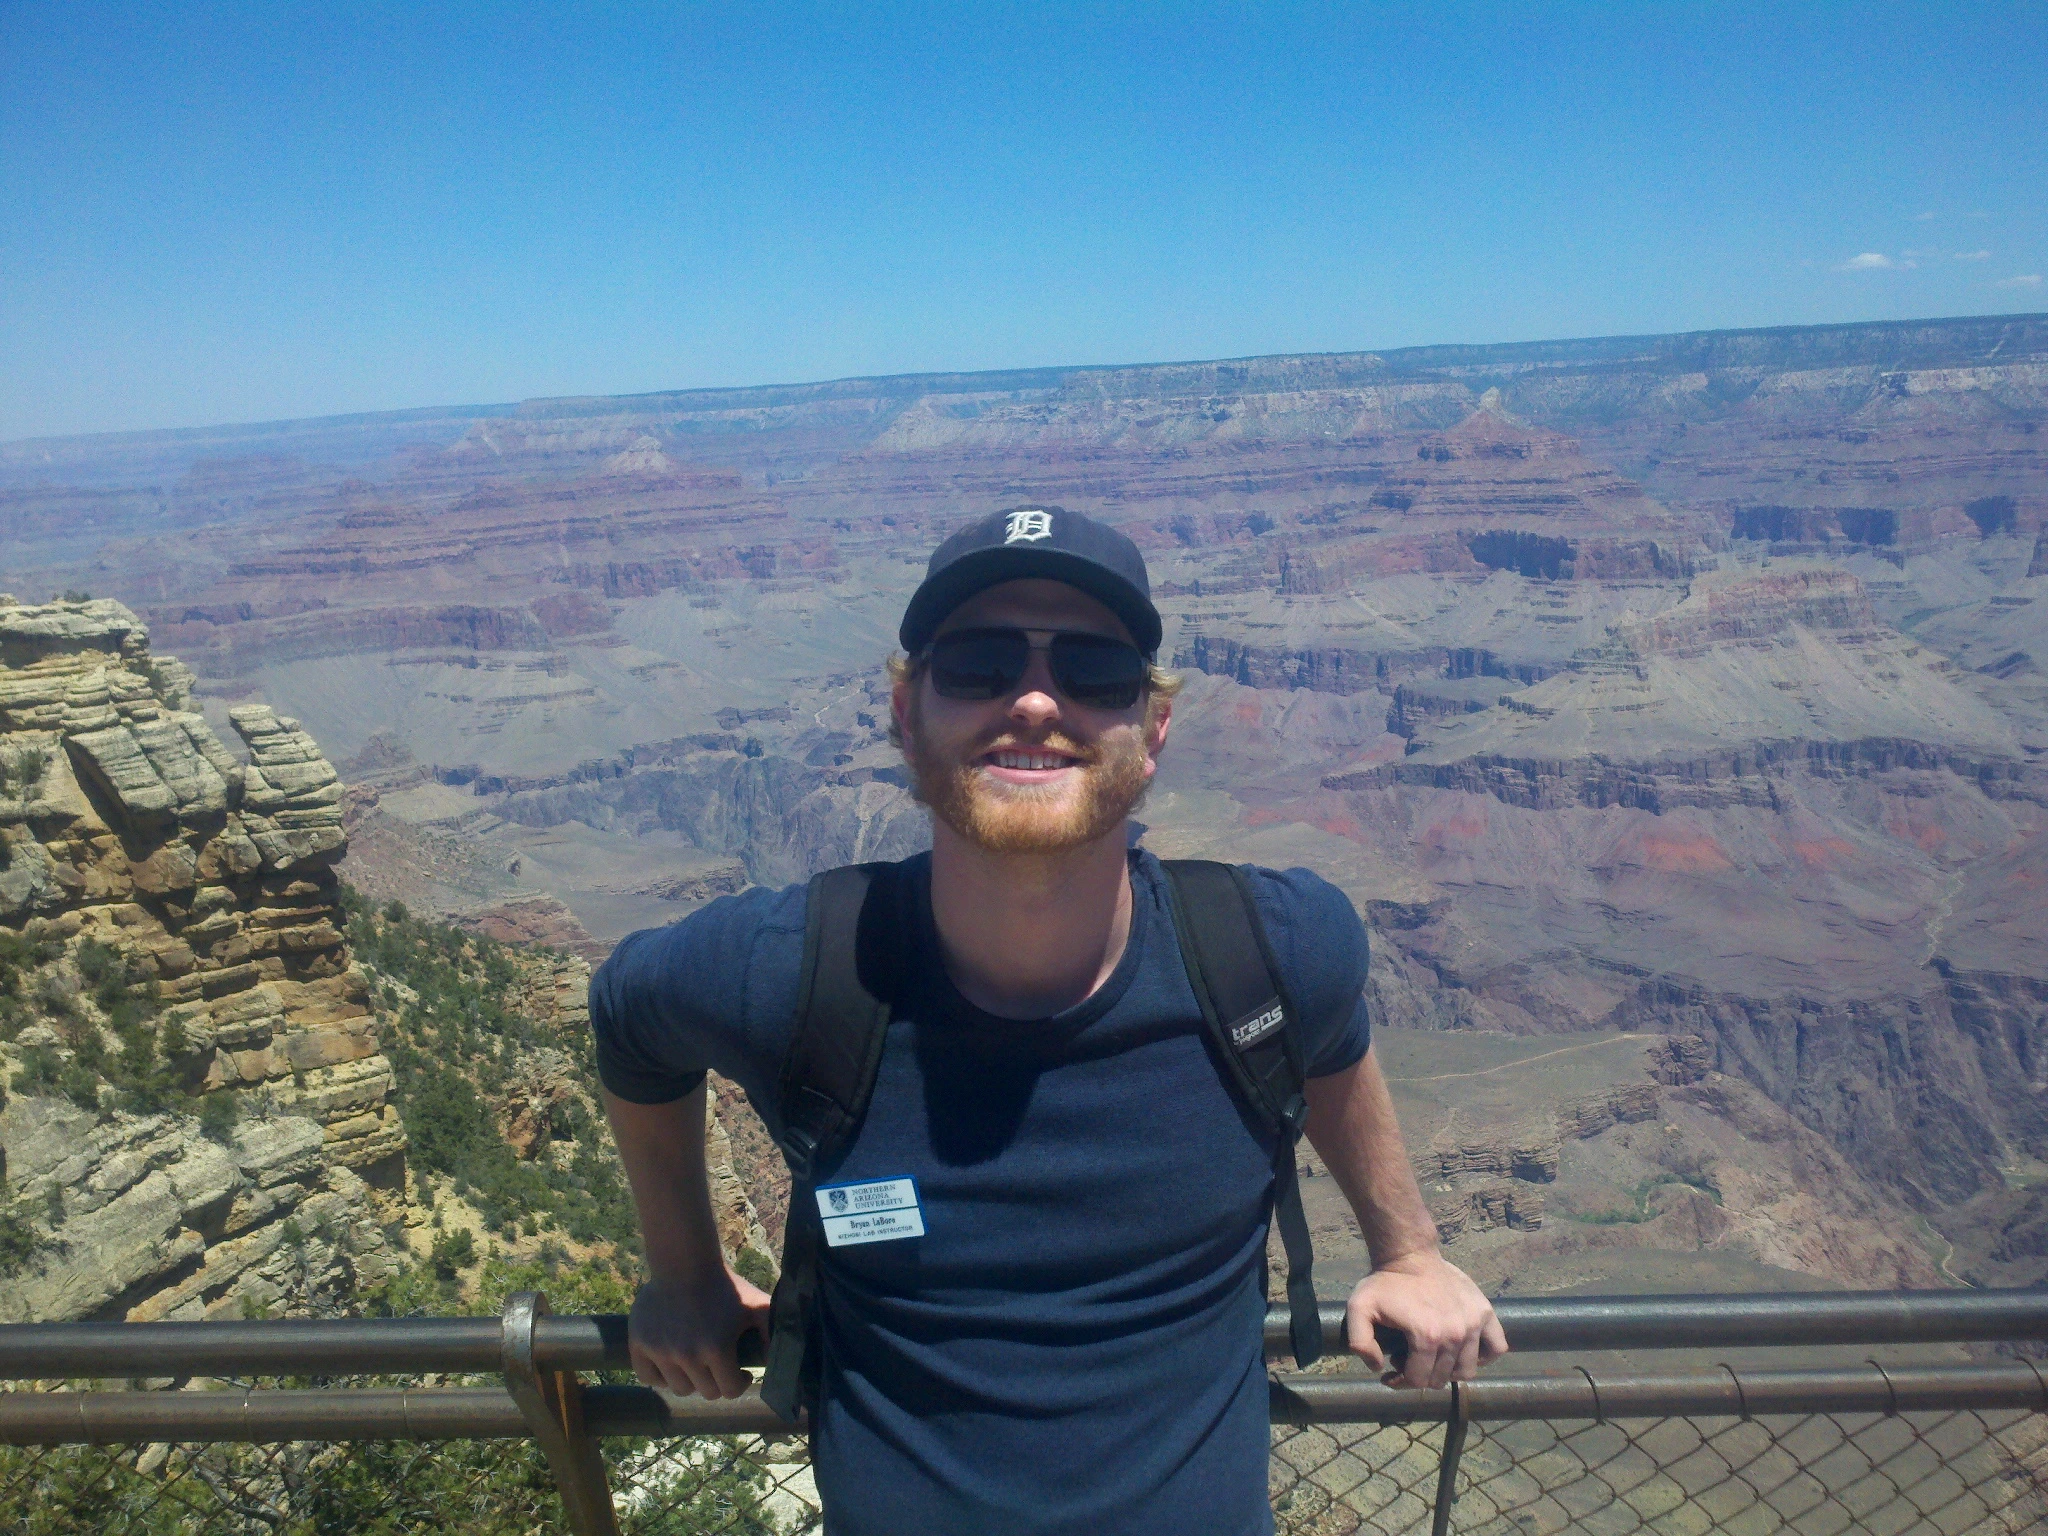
(1026, 526)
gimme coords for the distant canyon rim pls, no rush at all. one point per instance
(1674, 708)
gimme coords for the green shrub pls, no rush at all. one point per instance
(20, 1243)
(40, 1069)
(447, 1123)
(54, 996)
(88, 1044)
(104, 969)
(141, 1079)
(1638, 1208)
(124, 1014)
(218, 1113)
(80, 1084)
(756, 1266)
(20, 954)
(453, 1252)
(138, 1048)
(44, 1072)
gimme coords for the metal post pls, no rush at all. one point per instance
(552, 1404)
(1447, 1468)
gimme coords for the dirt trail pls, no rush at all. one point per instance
(1943, 910)
(1587, 1045)
(1943, 1265)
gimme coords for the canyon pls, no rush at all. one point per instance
(1676, 703)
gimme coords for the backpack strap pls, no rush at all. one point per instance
(854, 931)
(1256, 1029)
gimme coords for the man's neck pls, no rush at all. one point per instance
(1027, 936)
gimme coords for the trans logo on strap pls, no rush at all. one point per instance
(1257, 1027)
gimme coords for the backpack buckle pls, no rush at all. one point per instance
(800, 1147)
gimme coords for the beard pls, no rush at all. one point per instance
(1028, 818)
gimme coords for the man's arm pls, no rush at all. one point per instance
(687, 1319)
(1450, 1325)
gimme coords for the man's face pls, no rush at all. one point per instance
(1032, 771)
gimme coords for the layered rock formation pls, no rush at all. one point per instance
(146, 1218)
(199, 889)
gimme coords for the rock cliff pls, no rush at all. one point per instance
(198, 1101)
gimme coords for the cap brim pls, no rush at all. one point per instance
(986, 568)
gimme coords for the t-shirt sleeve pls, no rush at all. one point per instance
(714, 991)
(1320, 946)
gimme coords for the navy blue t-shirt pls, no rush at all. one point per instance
(1074, 1345)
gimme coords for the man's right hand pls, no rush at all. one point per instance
(683, 1335)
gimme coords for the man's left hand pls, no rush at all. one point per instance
(1450, 1325)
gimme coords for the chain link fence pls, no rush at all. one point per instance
(745, 1485)
(294, 1488)
(1956, 1473)
(301, 1487)
(1334, 1479)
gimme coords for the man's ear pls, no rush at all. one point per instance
(899, 709)
(1158, 720)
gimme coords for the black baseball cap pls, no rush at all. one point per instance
(1047, 542)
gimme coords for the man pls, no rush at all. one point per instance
(1069, 1341)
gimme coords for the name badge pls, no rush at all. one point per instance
(874, 1212)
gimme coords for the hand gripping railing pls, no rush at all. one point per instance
(1560, 1324)
(539, 1356)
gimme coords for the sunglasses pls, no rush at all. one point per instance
(1092, 670)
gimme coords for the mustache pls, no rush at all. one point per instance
(1052, 741)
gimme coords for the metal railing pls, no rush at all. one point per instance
(1946, 1446)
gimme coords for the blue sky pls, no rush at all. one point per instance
(230, 213)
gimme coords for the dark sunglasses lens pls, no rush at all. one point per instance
(979, 664)
(1098, 672)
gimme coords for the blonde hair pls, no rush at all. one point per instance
(1160, 684)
